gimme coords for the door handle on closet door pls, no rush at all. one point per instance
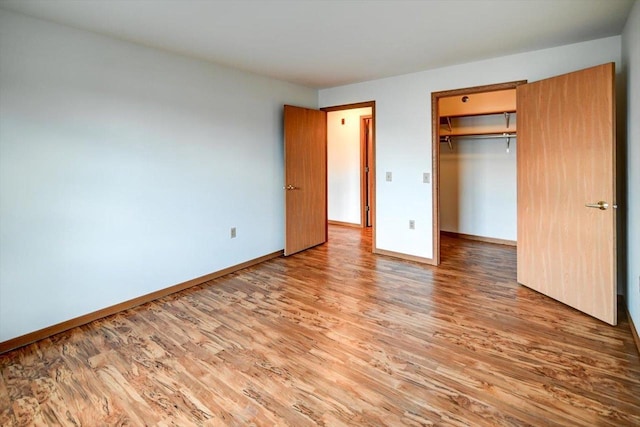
(602, 205)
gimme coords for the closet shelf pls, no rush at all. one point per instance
(485, 115)
(486, 124)
(496, 102)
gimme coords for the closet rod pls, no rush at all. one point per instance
(507, 136)
(488, 136)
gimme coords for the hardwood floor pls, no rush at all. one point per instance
(336, 336)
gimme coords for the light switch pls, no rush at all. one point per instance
(426, 177)
(388, 176)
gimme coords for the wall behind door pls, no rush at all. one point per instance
(478, 188)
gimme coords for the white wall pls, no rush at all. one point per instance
(478, 192)
(123, 169)
(343, 164)
(631, 60)
(403, 128)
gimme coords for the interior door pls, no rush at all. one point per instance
(366, 168)
(305, 157)
(369, 174)
(566, 189)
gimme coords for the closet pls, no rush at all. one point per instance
(477, 175)
(564, 179)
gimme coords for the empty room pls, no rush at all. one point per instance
(390, 213)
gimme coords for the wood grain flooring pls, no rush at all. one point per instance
(336, 336)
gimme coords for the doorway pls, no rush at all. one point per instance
(351, 165)
(464, 145)
(306, 178)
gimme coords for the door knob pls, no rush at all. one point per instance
(290, 187)
(602, 205)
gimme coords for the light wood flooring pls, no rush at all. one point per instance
(336, 336)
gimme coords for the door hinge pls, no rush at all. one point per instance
(366, 169)
(367, 208)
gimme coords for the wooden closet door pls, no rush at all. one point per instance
(566, 160)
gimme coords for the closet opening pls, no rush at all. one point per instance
(474, 164)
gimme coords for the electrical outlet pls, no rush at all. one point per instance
(426, 178)
(389, 177)
(233, 232)
(412, 224)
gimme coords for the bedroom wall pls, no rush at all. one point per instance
(122, 169)
(403, 128)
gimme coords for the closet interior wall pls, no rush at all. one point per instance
(478, 166)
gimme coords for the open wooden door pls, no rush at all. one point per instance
(366, 170)
(566, 189)
(305, 158)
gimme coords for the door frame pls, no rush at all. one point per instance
(366, 181)
(372, 172)
(435, 150)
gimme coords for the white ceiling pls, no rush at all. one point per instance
(325, 43)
